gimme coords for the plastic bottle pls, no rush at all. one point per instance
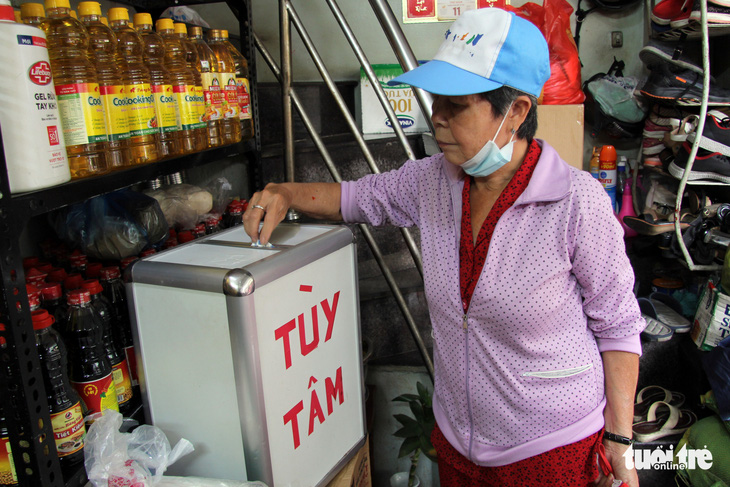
(32, 135)
(77, 91)
(594, 163)
(200, 127)
(240, 64)
(53, 302)
(161, 82)
(73, 14)
(212, 93)
(8, 476)
(32, 13)
(227, 79)
(102, 52)
(18, 20)
(113, 289)
(607, 173)
(627, 208)
(120, 369)
(144, 139)
(620, 180)
(104, 21)
(183, 86)
(77, 262)
(34, 296)
(67, 417)
(91, 372)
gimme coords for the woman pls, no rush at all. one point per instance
(536, 329)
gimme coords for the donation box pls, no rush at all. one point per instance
(253, 353)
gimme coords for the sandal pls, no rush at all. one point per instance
(669, 311)
(655, 330)
(651, 394)
(672, 424)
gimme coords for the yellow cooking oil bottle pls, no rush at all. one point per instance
(192, 61)
(245, 114)
(104, 21)
(227, 78)
(77, 91)
(144, 136)
(183, 84)
(102, 52)
(32, 13)
(212, 93)
(161, 82)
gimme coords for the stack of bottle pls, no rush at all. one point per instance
(131, 94)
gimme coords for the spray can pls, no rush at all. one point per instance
(32, 135)
(607, 171)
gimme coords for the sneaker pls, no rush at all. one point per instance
(722, 3)
(681, 57)
(650, 146)
(716, 133)
(713, 166)
(683, 87)
(716, 14)
(667, 10)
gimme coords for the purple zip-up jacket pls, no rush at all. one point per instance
(521, 372)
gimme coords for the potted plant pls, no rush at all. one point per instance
(416, 430)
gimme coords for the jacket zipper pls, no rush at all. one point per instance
(468, 391)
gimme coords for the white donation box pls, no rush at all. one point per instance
(253, 354)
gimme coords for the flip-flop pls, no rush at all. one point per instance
(660, 425)
(655, 330)
(669, 311)
(651, 394)
(647, 225)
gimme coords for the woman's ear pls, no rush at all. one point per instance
(520, 108)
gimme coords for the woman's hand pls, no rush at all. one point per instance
(269, 205)
(615, 455)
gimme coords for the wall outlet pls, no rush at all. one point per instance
(617, 38)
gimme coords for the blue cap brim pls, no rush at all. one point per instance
(442, 78)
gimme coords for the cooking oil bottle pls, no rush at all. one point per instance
(102, 52)
(32, 13)
(167, 115)
(192, 61)
(183, 84)
(212, 93)
(104, 21)
(227, 78)
(240, 64)
(144, 140)
(77, 91)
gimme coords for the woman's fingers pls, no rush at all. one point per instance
(269, 206)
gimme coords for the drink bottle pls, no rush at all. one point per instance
(227, 78)
(212, 93)
(192, 61)
(144, 141)
(102, 52)
(242, 82)
(594, 162)
(113, 290)
(67, 419)
(32, 13)
(161, 82)
(53, 302)
(77, 91)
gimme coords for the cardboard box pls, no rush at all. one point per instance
(371, 115)
(712, 319)
(357, 471)
(562, 127)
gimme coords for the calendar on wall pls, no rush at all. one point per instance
(421, 11)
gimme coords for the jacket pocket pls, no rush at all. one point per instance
(560, 373)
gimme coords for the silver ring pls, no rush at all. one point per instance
(259, 207)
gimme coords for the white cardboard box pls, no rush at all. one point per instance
(712, 319)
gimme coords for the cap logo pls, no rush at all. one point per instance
(473, 40)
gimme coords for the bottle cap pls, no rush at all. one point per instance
(214, 33)
(117, 13)
(44, 267)
(35, 277)
(57, 4)
(127, 261)
(111, 272)
(51, 290)
(224, 33)
(78, 296)
(185, 236)
(6, 11)
(77, 259)
(91, 285)
(608, 153)
(41, 319)
(34, 295)
(180, 28)
(196, 31)
(89, 8)
(73, 281)
(147, 252)
(142, 19)
(31, 261)
(104, 21)
(164, 24)
(72, 13)
(57, 274)
(93, 269)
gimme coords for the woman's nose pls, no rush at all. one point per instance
(437, 110)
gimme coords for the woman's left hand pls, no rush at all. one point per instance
(615, 455)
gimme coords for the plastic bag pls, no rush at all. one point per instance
(553, 20)
(202, 482)
(136, 459)
(186, 15)
(183, 204)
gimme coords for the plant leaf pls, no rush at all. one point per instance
(423, 393)
(417, 410)
(413, 429)
(409, 445)
(407, 398)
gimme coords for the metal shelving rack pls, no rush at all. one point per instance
(22, 395)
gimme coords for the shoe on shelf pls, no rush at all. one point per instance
(669, 312)
(716, 13)
(682, 87)
(663, 420)
(716, 133)
(722, 3)
(651, 394)
(680, 55)
(713, 166)
(667, 10)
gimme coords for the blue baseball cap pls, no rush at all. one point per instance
(485, 49)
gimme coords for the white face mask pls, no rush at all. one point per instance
(490, 157)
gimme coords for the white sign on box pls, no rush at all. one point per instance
(712, 319)
(372, 116)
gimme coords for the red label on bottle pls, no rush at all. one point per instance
(7, 468)
(53, 138)
(68, 430)
(98, 395)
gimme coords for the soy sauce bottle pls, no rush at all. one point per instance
(120, 369)
(8, 477)
(67, 418)
(113, 290)
(91, 372)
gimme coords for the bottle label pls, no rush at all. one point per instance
(244, 98)
(82, 114)
(114, 101)
(141, 105)
(68, 430)
(187, 106)
(7, 467)
(132, 361)
(230, 90)
(122, 382)
(214, 97)
(167, 116)
(200, 107)
(98, 395)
